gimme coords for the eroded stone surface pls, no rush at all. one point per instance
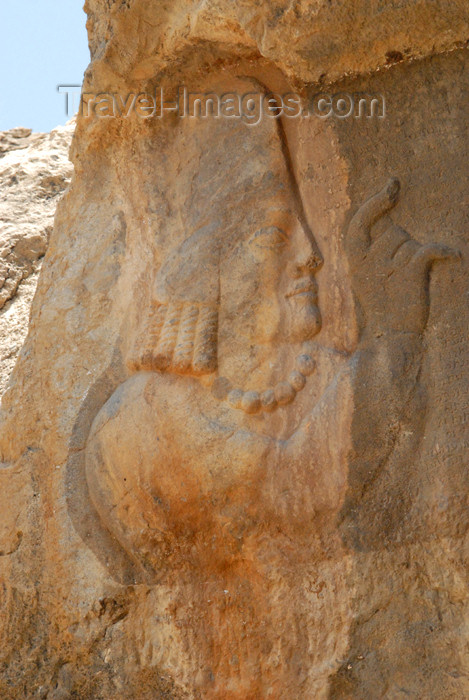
(310, 40)
(165, 535)
(34, 172)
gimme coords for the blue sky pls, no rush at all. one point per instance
(43, 44)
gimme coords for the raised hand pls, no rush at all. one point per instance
(390, 271)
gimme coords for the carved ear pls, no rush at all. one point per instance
(190, 272)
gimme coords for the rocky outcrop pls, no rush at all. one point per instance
(34, 171)
(315, 41)
(233, 453)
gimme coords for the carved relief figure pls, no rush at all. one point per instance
(232, 437)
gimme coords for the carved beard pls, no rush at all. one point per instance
(305, 320)
(180, 337)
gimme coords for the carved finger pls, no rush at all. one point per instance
(358, 236)
(430, 253)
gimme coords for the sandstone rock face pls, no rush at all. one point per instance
(234, 449)
(310, 40)
(34, 172)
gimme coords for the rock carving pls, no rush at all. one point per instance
(390, 281)
(188, 464)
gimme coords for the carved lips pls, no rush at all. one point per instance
(306, 287)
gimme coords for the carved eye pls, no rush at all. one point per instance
(270, 237)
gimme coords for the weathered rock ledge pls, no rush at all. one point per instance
(34, 171)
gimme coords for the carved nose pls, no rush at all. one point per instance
(308, 261)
